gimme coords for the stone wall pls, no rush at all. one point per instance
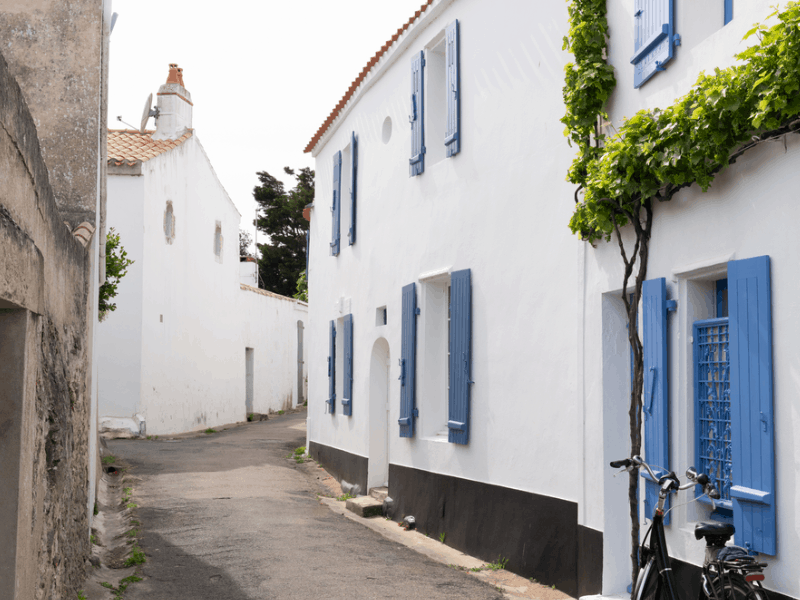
(44, 366)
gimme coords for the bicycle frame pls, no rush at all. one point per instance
(660, 557)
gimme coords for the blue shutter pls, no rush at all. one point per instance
(353, 187)
(656, 389)
(347, 392)
(655, 38)
(332, 369)
(460, 356)
(453, 134)
(728, 11)
(408, 358)
(336, 207)
(753, 476)
(417, 117)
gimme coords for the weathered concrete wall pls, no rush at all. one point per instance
(44, 422)
(55, 51)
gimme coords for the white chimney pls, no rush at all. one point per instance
(174, 107)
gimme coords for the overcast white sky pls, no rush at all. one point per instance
(263, 75)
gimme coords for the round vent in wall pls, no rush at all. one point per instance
(386, 134)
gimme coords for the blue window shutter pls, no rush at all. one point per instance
(347, 392)
(336, 207)
(353, 186)
(656, 389)
(453, 134)
(753, 476)
(417, 116)
(332, 369)
(408, 358)
(655, 38)
(728, 11)
(460, 356)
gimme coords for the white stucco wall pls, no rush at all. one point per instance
(174, 351)
(119, 336)
(500, 208)
(744, 214)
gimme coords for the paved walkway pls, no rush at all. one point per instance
(226, 516)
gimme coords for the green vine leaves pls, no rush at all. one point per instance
(658, 152)
(117, 263)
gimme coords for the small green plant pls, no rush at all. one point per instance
(553, 586)
(132, 505)
(126, 493)
(280, 412)
(152, 437)
(344, 497)
(302, 287)
(107, 460)
(132, 533)
(210, 430)
(442, 536)
(498, 565)
(123, 585)
(135, 522)
(300, 450)
(81, 595)
(476, 569)
(96, 510)
(105, 584)
(93, 539)
(117, 263)
(137, 557)
(305, 403)
(250, 416)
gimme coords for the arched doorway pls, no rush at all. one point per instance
(378, 474)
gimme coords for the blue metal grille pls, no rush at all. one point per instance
(713, 409)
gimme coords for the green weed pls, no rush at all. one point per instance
(300, 450)
(105, 584)
(344, 497)
(442, 536)
(93, 539)
(498, 565)
(107, 460)
(132, 533)
(137, 557)
(280, 412)
(132, 505)
(81, 595)
(96, 510)
(210, 430)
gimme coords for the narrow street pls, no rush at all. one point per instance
(226, 516)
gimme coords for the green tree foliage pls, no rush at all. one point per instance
(245, 239)
(302, 287)
(280, 217)
(117, 263)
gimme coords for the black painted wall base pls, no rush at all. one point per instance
(539, 535)
(341, 464)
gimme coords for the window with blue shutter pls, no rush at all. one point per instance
(656, 404)
(408, 356)
(332, 369)
(453, 132)
(347, 393)
(753, 474)
(655, 38)
(728, 11)
(336, 208)
(417, 160)
(351, 236)
(460, 356)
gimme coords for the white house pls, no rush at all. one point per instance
(189, 346)
(470, 352)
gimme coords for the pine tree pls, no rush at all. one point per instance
(280, 217)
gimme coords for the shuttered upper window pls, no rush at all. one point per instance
(654, 38)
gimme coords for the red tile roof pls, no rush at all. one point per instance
(128, 146)
(357, 81)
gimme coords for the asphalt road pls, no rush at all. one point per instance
(227, 517)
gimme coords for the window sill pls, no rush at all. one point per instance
(440, 437)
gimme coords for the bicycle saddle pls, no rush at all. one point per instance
(714, 532)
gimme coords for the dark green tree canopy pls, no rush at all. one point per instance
(280, 217)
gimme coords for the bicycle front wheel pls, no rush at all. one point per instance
(648, 583)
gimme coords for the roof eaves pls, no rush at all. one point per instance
(377, 58)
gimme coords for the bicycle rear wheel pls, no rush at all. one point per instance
(734, 587)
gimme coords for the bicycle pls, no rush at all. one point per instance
(729, 572)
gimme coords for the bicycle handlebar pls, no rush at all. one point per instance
(692, 475)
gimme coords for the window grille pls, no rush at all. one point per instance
(713, 408)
